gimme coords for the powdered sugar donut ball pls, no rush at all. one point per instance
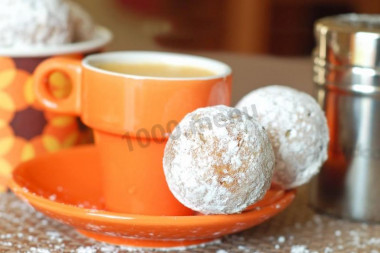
(84, 27)
(34, 22)
(218, 161)
(297, 128)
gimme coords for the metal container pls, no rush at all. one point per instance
(347, 76)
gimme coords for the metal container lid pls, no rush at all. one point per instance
(348, 40)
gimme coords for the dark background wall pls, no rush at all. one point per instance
(277, 27)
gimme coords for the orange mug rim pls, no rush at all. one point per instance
(220, 68)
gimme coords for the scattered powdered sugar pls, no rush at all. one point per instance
(281, 239)
(374, 241)
(241, 247)
(299, 249)
(38, 250)
(218, 160)
(87, 249)
(23, 229)
(297, 128)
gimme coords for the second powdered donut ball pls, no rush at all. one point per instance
(31, 22)
(218, 161)
(297, 128)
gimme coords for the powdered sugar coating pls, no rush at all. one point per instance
(25, 23)
(218, 161)
(31, 22)
(297, 128)
(84, 27)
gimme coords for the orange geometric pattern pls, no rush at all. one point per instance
(47, 133)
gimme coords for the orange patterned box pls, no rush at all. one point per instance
(26, 130)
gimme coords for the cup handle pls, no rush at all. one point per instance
(70, 67)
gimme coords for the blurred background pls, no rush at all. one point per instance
(275, 27)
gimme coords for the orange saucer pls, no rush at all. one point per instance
(67, 187)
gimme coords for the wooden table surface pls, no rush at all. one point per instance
(253, 71)
(297, 229)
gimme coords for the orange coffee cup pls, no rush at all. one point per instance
(132, 117)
